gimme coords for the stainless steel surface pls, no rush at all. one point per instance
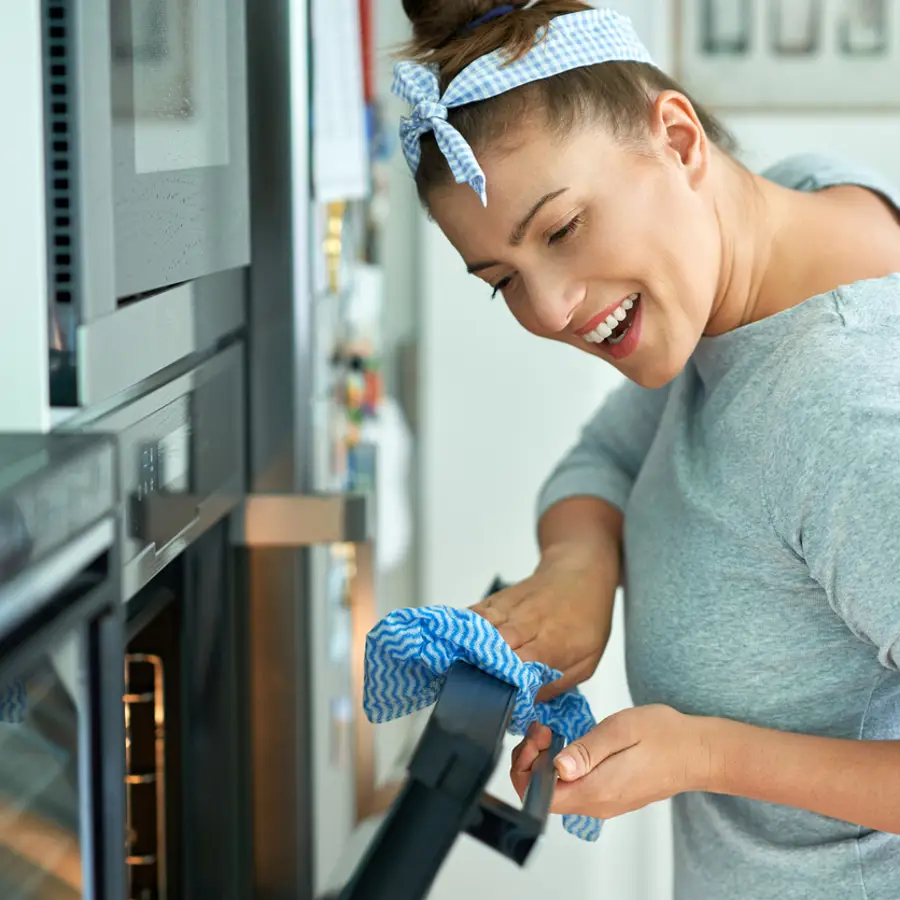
(185, 438)
(283, 520)
(144, 337)
(279, 430)
(23, 262)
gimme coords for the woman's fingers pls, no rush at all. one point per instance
(503, 611)
(524, 756)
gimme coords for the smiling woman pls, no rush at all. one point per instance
(581, 164)
(740, 486)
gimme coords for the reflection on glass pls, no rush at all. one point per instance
(726, 26)
(40, 846)
(864, 27)
(174, 56)
(796, 27)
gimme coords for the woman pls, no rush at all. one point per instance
(744, 473)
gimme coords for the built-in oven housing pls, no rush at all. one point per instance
(147, 206)
(61, 638)
(180, 461)
(181, 451)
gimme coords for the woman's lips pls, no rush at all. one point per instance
(629, 342)
(601, 317)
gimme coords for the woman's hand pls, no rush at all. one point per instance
(633, 758)
(558, 616)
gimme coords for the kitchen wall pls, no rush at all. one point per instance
(496, 408)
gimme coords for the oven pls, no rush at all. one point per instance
(180, 471)
(186, 776)
(147, 198)
(61, 677)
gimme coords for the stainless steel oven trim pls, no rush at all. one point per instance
(143, 338)
(138, 571)
(124, 416)
(211, 508)
(24, 595)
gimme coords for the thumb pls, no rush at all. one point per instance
(582, 756)
(576, 760)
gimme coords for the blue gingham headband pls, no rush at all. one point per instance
(572, 41)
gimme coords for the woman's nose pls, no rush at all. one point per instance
(554, 303)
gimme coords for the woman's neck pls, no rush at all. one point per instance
(780, 247)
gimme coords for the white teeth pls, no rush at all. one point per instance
(605, 329)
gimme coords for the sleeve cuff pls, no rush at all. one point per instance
(610, 485)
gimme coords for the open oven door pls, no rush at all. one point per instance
(444, 795)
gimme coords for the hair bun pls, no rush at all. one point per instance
(439, 36)
(437, 21)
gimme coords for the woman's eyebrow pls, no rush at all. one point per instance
(519, 232)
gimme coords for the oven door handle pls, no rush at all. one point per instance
(162, 517)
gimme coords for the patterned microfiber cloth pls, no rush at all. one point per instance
(410, 651)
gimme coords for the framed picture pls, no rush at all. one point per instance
(790, 54)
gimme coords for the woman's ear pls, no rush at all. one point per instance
(679, 135)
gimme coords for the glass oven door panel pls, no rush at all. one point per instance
(41, 795)
(61, 730)
(60, 715)
(181, 201)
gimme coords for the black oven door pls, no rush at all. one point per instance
(61, 726)
(444, 795)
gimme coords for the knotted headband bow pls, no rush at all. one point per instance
(571, 41)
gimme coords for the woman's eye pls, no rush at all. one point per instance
(565, 231)
(502, 284)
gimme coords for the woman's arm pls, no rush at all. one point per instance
(856, 781)
(650, 753)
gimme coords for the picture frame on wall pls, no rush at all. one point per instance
(790, 55)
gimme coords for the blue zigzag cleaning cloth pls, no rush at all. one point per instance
(410, 651)
(13, 703)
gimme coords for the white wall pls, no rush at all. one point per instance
(497, 408)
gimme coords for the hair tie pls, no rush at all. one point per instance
(504, 10)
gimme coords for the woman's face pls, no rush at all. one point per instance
(585, 233)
